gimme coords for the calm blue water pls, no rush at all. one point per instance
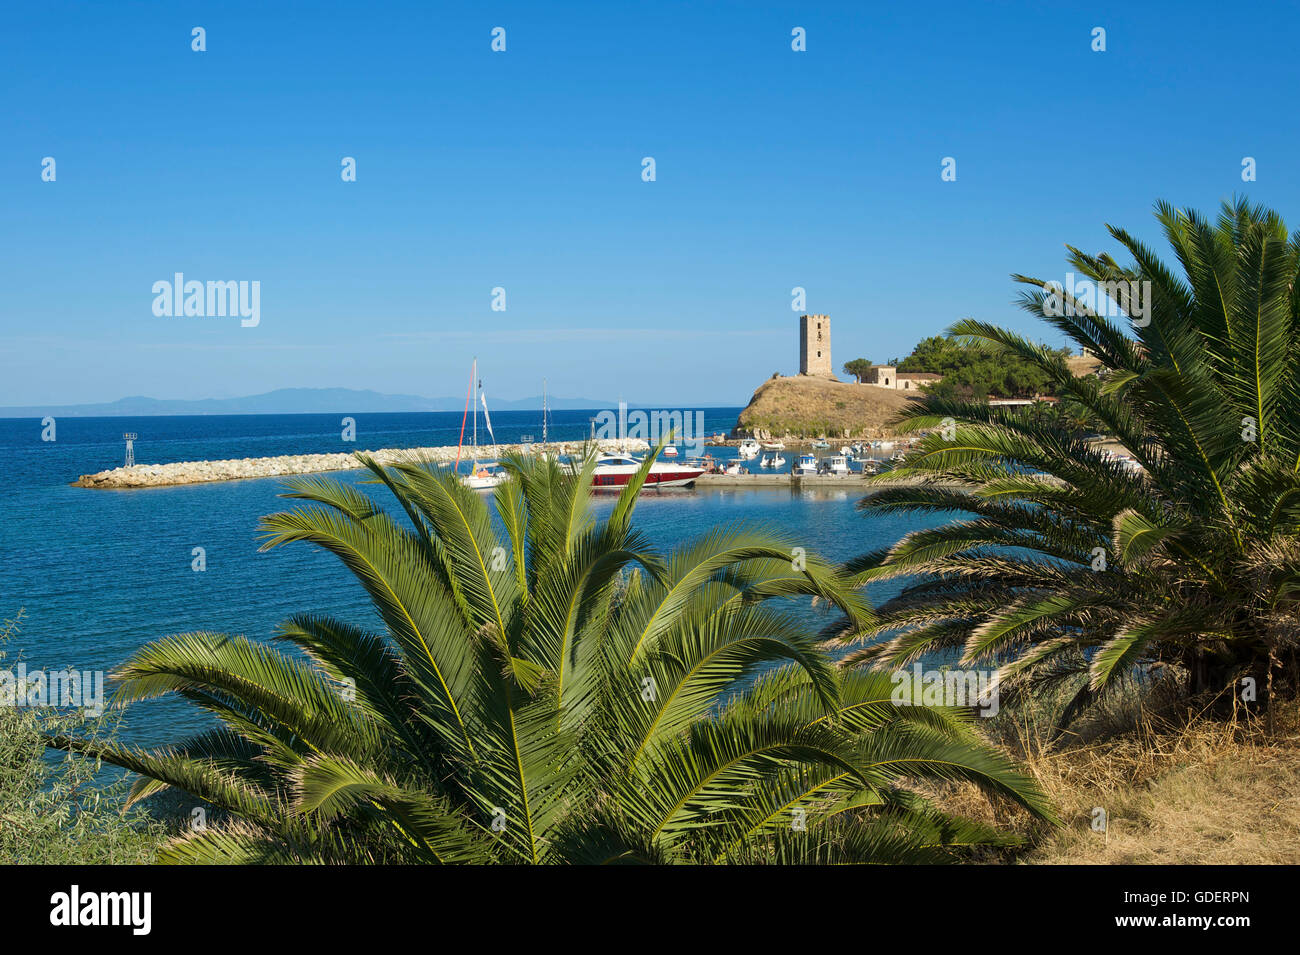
(99, 573)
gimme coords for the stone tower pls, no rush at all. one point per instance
(815, 346)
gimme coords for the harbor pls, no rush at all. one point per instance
(725, 461)
(287, 465)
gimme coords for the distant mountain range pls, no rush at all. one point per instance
(291, 401)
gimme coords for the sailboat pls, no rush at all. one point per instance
(484, 475)
(546, 420)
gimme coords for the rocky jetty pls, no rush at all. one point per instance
(235, 469)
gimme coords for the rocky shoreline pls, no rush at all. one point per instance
(238, 469)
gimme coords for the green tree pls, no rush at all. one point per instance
(971, 369)
(858, 368)
(1076, 568)
(547, 687)
(936, 355)
(53, 812)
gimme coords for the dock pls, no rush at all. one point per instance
(780, 480)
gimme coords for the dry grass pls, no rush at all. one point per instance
(1177, 787)
(1083, 365)
(813, 407)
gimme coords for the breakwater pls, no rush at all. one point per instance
(237, 469)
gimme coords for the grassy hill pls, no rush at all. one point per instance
(1083, 365)
(809, 407)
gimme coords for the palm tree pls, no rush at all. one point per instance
(1077, 567)
(546, 687)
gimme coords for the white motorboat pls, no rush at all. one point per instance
(807, 464)
(748, 449)
(773, 446)
(1127, 462)
(615, 470)
(835, 464)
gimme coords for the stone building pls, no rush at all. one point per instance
(888, 376)
(815, 346)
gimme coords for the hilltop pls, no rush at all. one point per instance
(805, 406)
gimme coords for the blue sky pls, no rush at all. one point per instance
(522, 170)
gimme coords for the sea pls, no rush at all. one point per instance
(96, 574)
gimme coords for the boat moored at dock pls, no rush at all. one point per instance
(485, 476)
(616, 470)
(807, 464)
(836, 464)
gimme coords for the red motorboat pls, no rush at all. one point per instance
(615, 470)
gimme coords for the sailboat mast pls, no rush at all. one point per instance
(480, 388)
(543, 414)
(460, 442)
